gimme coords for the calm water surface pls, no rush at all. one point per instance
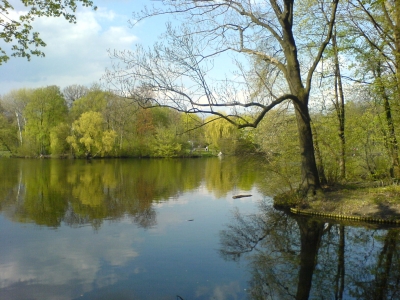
(170, 229)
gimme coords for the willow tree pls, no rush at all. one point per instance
(178, 73)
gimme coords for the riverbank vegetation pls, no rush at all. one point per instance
(90, 122)
(48, 122)
(321, 107)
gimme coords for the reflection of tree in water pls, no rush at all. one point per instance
(51, 192)
(146, 218)
(381, 281)
(269, 238)
(297, 258)
(223, 175)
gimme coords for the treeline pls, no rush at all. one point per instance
(90, 122)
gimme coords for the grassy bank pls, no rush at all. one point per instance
(366, 200)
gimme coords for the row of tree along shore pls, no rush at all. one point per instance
(90, 122)
(330, 69)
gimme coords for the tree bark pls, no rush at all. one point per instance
(339, 106)
(310, 183)
(318, 157)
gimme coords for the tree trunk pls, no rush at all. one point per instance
(318, 158)
(19, 128)
(310, 184)
(395, 172)
(339, 106)
(392, 140)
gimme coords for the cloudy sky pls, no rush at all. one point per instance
(77, 53)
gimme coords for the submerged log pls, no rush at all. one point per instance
(241, 196)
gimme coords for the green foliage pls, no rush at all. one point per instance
(89, 137)
(95, 100)
(46, 109)
(8, 133)
(366, 154)
(277, 135)
(25, 41)
(246, 143)
(165, 144)
(326, 134)
(58, 139)
(192, 130)
(221, 135)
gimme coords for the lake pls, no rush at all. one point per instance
(171, 229)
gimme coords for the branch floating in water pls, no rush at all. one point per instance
(241, 196)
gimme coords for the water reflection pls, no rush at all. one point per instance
(144, 247)
(49, 192)
(291, 257)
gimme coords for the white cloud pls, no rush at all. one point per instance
(75, 53)
(78, 260)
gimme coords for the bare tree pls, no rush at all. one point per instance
(74, 92)
(177, 73)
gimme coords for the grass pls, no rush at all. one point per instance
(200, 153)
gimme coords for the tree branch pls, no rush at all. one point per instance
(323, 45)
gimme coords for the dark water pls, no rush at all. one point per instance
(170, 229)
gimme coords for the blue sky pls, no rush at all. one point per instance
(77, 53)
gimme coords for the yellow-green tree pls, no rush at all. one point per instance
(94, 100)
(276, 137)
(46, 109)
(58, 139)
(221, 135)
(8, 132)
(89, 137)
(165, 143)
(192, 130)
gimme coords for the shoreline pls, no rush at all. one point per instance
(360, 202)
